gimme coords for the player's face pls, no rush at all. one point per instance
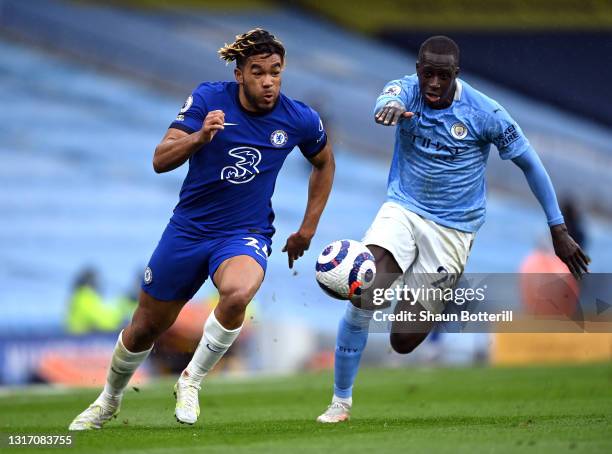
(260, 82)
(437, 74)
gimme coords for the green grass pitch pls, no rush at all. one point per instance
(533, 409)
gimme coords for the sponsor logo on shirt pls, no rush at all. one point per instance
(245, 167)
(507, 137)
(426, 142)
(180, 117)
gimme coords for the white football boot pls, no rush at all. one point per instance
(187, 407)
(336, 412)
(97, 414)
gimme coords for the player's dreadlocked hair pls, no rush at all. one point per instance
(441, 45)
(253, 42)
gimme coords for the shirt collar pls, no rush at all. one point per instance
(458, 90)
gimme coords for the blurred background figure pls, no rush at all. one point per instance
(87, 311)
(128, 300)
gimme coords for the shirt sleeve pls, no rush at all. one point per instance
(314, 136)
(393, 91)
(540, 185)
(191, 116)
(503, 132)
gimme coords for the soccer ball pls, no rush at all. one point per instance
(345, 268)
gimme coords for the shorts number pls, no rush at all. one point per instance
(444, 272)
(262, 252)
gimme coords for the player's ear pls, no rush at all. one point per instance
(238, 75)
(456, 71)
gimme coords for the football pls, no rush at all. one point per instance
(345, 268)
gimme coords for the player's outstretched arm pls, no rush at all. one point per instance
(541, 186)
(319, 187)
(177, 146)
(390, 113)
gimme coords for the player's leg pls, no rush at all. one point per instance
(406, 336)
(175, 272)
(352, 336)
(443, 253)
(150, 320)
(237, 278)
(391, 241)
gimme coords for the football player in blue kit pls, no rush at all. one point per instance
(435, 200)
(236, 136)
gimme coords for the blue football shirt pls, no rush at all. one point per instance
(440, 155)
(230, 182)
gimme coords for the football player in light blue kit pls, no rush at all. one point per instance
(236, 137)
(436, 198)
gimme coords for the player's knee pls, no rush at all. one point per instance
(234, 301)
(404, 344)
(147, 330)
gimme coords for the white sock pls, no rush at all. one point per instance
(213, 345)
(123, 365)
(345, 400)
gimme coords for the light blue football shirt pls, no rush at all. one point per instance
(440, 156)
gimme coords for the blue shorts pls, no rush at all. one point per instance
(182, 261)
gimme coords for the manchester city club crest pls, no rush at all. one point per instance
(459, 131)
(279, 138)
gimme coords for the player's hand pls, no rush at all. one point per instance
(391, 113)
(297, 243)
(569, 251)
(212, 123)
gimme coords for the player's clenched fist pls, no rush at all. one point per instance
(212, 123)
(391, 112)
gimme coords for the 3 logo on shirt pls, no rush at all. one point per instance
(245, 168)
(459, 130)
(279, 138)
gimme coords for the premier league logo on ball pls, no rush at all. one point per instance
(345, 268)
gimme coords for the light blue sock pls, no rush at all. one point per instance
(350, 343)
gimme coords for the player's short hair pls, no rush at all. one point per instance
(254, 42)
(441, 45)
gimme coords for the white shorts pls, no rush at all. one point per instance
(423, 249)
